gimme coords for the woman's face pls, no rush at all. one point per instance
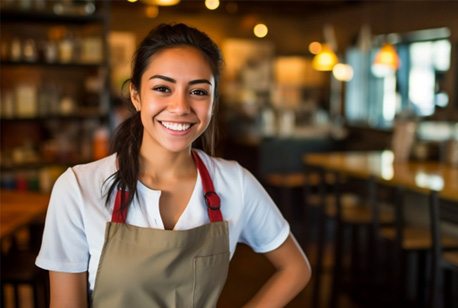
(175, 98)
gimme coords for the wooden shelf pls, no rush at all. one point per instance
(39, 165)
(51, 64)
(16, 15)
(76, 116)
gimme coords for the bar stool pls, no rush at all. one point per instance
(18, 269)
(442, 260)
(281, 170)
(355, 214)
(287, 184)
(409, 241)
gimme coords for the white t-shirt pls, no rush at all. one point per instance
(77, 214)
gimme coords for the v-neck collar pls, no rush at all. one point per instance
(156, 194)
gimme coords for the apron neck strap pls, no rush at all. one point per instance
(119, 214)
(211, 198)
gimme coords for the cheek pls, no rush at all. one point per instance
(150, 104)
(206, 111)
(148, 110)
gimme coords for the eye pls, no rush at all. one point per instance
(199, 92)
(162, 89)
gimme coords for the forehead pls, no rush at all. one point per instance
(183, 59)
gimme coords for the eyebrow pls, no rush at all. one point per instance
(174, 81)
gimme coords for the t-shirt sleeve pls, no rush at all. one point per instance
(64, 246)
(265, 229)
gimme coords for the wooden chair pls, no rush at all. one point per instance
(442, 260)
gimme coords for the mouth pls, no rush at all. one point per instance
(176, 126)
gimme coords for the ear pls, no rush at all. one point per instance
(135, 97)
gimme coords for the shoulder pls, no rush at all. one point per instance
(231, 179)
(85, 179)
(104, 165)
(219, 167)
(95, 172)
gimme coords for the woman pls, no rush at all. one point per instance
(171, 216)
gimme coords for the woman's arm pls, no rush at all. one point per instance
(291, 276)
(68, 290)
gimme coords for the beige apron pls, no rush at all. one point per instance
(144, 267)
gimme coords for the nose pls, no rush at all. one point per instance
(179, 104)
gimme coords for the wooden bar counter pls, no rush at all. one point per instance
(20, 208)
(418, 176)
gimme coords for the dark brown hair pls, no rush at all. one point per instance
(129, 134)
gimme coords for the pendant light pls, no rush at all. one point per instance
(387, 56)
(161, 2)
(386, 61)
(326, 58)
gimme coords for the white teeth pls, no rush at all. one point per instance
(176, 126)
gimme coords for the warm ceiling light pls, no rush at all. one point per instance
(132, 1)
(342, 72)
(315, 47)
(387, 55)
(161, 2)
(325, 60)
(386, 61)
(166, 2)
(151, 11)
(260, 30)
(212, 4)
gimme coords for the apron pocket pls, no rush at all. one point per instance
(210, 273)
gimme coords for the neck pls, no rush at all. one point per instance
(158, 166)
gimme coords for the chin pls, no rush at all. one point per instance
(177, 148)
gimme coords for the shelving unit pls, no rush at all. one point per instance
(54, 87)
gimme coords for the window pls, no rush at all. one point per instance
(415, 88)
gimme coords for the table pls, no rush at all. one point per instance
(433, 179)
(20, 208)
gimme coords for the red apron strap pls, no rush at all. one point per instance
(211, 198)
(118, 214)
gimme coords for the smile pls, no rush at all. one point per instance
(179, 127)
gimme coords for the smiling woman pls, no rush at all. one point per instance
(156, 223)
(175, 99)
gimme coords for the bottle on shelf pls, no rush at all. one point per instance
(50, 51)
(26, 100)
(100, 142)
(15, 49)
(66, 49)
(30, 52)
(7, 104)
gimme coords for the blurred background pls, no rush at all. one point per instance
(299, 77)
(293, 70)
